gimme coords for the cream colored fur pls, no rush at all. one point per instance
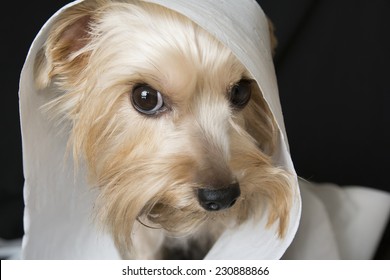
(148, 168)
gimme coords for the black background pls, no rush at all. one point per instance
(332, 64)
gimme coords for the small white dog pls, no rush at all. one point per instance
(172, 128)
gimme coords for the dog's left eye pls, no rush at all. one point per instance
(147, 100)
(240, 94)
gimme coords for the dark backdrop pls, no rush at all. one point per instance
(332, 64)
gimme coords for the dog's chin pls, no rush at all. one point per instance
(175, 221)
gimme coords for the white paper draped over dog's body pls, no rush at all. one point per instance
(59, 204)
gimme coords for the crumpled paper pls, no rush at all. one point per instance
(59, 204)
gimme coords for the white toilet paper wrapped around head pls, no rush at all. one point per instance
(59, 204)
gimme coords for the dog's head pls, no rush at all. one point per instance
(172, 127)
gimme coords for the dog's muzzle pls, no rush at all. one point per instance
(213, 199)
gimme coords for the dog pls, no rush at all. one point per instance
(172, 128)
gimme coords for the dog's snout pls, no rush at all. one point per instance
(213, 199)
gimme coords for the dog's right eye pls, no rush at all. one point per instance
(147, 100)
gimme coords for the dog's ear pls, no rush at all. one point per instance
(273, 39)
(60, 53)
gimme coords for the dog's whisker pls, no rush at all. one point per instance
(145, 225)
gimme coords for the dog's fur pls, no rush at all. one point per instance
(149, 168)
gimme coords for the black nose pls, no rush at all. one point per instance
(219, 199)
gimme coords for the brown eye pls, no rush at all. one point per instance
(240, 94)
(147, 100)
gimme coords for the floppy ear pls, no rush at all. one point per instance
(273, 39)
(68, 35)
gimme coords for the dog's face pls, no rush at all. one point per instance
(171, 125)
